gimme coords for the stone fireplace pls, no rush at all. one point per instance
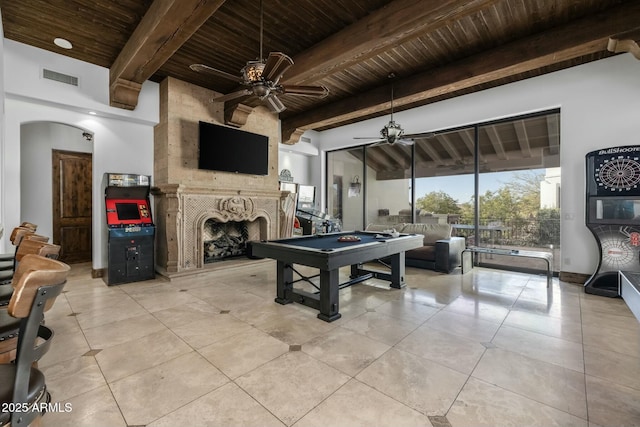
(186, 197)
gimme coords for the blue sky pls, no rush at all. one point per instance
(460, 187)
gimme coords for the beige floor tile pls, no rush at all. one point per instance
(440, 325)
(124, 308)
(64, 347)
(407, 310)
(620, 340)
(597, 304)
(553, 385)
(426, 386)
(292, 385)
(141, 353)
(596, 319)
(455, 352)
(612, 366)
(358, 405)
(481, 404)
(242, 353)
(235, 302)
(156, 300)
(434, 296)
(345, 350)
(560, 352)
(478, 307)
(294, 326)
(381, 327)
(209, 330)
(611, 404)
(96, 408)
(73, 377)
(114, 333)
(464, 326)
(153, 393)
(226, 406)
(186, 313)
(567, 329)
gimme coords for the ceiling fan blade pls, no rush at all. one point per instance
(201, 68)
(276, 65)
(275, 104)
(315, 91)
(232, 95)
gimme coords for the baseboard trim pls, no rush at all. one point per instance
(96, 273)
(567, 276)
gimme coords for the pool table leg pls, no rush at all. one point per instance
(397, 271)
(284, 283)
(329, 289)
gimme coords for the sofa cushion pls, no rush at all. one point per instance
(425, 253)
(431, 232)
(384, 227)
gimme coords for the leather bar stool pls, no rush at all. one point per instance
(38, 281)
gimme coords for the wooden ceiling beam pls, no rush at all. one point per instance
(578, 38)
(523, 137)
(163, 29)
(387, 27)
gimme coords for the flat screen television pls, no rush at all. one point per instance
(228, 149)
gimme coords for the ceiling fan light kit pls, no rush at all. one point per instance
(262, 79)
(392, 132)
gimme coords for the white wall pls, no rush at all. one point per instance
(37, 140)
(123, 140)
(599, 105)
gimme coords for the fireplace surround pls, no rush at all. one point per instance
(185, 197)
(183, 212)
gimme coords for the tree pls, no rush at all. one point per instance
(438, 202)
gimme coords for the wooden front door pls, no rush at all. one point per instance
(72, 205)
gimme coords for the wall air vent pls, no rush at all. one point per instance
(59, 77)
(305, 139)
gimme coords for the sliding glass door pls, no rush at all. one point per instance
(496, 183)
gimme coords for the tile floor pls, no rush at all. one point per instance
(487, 348)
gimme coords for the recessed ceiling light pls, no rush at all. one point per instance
(63, 43)
(93, 113)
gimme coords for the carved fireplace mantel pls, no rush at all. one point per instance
(181, 213)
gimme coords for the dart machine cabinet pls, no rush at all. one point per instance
(613, 215)
(130, 227)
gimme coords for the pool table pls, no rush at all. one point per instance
(328, 253)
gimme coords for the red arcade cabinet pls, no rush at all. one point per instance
(131, 229)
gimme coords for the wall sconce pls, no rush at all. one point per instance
(354, 187)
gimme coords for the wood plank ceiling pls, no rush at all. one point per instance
(438, 49)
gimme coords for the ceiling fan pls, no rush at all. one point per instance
(392, 132)
(262, 78)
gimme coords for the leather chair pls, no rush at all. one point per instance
(22, 234)
(27, 246)
(9, 326)
(38, 281)
(25, 226)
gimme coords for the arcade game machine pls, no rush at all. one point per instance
(613, 215)
(130, 227)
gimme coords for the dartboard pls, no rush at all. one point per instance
(621, 173)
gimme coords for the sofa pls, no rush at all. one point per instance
(440, 251)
